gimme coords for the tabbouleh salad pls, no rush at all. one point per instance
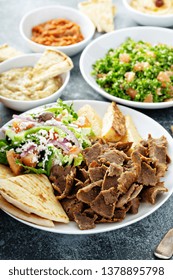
(137, 71)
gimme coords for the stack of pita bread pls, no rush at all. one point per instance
(30, 197)
(101, 13)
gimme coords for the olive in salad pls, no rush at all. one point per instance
(37, 141)
(137, 71)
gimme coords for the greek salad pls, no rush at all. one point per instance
(37, 141)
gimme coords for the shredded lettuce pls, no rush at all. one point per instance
(29, 169)
(4, 147)
(78, 160)
(67, 112)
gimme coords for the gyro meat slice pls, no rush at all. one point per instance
(84, 221)
(147, 175)
(158, 153)
(113, 156)
(135, 202)
(62, 179)
(119, 215)
(109, 181)
(132, 193)
(72, 205)
(104, 203)
(97, 173)
(149, 194)
(90, 192)
(91, 153)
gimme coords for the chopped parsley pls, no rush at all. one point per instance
(137, 71)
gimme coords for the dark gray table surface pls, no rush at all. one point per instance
(18, 241)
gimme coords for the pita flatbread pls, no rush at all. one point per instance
(32, 218)
(51, 64)
(33, 193)
(7, 52)
(94, 119)
(5, 172)
(101, 13)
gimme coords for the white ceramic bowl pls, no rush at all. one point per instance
(148, 19)
(29, 60)
(46, 13)
(99, 47)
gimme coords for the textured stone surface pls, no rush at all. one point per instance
(18, 241)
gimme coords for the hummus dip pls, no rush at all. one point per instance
(18, 84)
(154, 7)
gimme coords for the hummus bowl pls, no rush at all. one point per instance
(29, 60)
(150, 19)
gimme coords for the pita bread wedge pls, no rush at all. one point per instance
(132, 134)
(51, 64)
(94, 119)
(33, 193)
(101, 13)
(5, 172)
(114, 126)
(7, 52)
(32, 218)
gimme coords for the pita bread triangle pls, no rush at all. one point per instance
(51, 64)
(33, 193)
(32, 218)
(5, 172)
(101, 13)
(7, 52)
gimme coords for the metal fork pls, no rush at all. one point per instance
(165, 248)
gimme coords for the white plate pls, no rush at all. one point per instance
(99, 47)
(144, 125)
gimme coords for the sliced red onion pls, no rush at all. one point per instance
(66, 130)
(59, 144)
(53, 122)
(32, 147)
(23, 118)
(65, 140)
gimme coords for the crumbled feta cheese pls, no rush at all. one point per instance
(24, 125)
(51, 134)
(43, 132)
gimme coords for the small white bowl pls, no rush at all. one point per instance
(46, 13)
(148, 19)
(23, 105)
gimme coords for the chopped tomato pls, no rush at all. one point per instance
(74, 150)
(29, 126)
(29, 160)
(16, 126)
(12, 157)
